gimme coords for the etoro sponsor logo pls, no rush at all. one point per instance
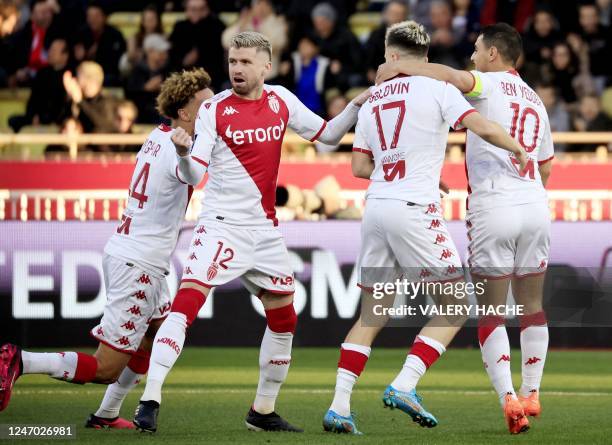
(249, 136)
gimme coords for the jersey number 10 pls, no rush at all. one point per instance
(520, 125)
(392, 170)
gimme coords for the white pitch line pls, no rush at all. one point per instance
(301, 391)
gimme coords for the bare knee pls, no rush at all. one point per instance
(107, 373)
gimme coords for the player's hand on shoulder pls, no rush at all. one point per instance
(386, 71)
(361, 99)
(182, 141)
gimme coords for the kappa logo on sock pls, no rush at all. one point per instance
(504, 357)
(279, 362)
(169, 342)
(533, 360)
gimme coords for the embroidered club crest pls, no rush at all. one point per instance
(273, 103)
(212, 271)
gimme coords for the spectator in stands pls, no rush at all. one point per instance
(125, 118)
(514, 12)
(94, 110)
(339, 44)
(605, 9)
(9, 17)
(196, 41)
(260, 17)
(47, 102)
(557, 111)
(419, 11)
(144, 83)
(541, 37)
(562, 70)
(100, 42)
(590, 117)
(28, 46)
(597, 39)
(307, 74)
(70, 126)
(150, 23)
(444, 40)
(395, 11)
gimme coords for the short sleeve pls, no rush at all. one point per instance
(454, 106)
(205, 135)
(482, 88)
(302, 120)
(360, 143)
(547, 150)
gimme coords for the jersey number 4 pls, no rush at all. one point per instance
(392, 170)
(141, 197)
(520, 137)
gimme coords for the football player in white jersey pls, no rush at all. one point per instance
(400, 144)
(238, 140)
(136, 262)
(508, 218)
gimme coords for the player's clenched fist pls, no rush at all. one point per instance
(182, 141)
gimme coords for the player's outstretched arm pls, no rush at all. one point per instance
(494, 134)
(362, 165)
(342, 123)
(463, 80)
(190, 169)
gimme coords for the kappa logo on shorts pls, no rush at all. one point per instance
(99, 332)
(197, 242)
(129, 326)
(144, 279)
(431, 208)
(542, 264)
(213, 269)
(193, 256)
(446, 253)
(123, 341)
(440, 239)
(450, 270)
(287, 281)
(188, 271)
(134, 310)
(140, 295)
(201, 229)
(424, 273)
(435, 224)
(165, 308)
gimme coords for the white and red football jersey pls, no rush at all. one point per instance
(493, 173)
(404, 125)
(151, 221)
(239, 140)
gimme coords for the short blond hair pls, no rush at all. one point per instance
(92, 70)
(409, 37)
(178, 89)
(252, 39)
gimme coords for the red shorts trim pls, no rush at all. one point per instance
(546, 160)
(533, 274)
(463, 116)
(492, 277)
(193, 280)
(316, 136)
(274, 292)
(204, 163)
(104, 342)
(450, 280)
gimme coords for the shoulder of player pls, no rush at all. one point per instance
(280, 91)
(210, 105)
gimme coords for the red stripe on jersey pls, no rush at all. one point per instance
(164, 128)
(463, 116)
(546, 160)
(316, 136)
(204, 163)
(362, 150)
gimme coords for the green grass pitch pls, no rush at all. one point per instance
(210, 390)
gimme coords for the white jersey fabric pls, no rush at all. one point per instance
(150, 225)
(239, 140)
(404, 125)
(494, 179)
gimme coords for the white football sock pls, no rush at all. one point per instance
(534, 345)
(59, 365)
(167, 347)
(496, 358)
(346, 379)
(411, 373)
(274, 361)
(115, 394)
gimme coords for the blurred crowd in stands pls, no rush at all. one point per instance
(74, 61)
